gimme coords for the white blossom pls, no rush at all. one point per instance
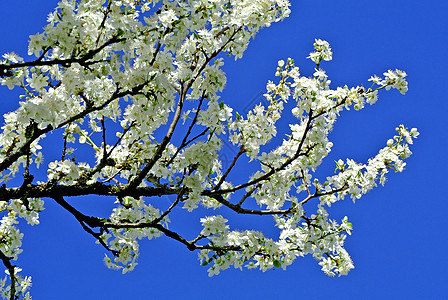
(136, 69)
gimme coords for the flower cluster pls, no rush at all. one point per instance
(289, 166)
(22, 286)
(323, 52)
(320, 237)
(136, 69)
(125, 240)
(392, 79)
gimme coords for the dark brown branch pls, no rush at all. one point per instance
(283, 166)
(86, 222)
(245, 211)
(213, 55)
(138, 179)
(174, 235)
(305, 183)
(49, 190)
(103, 126)
(197, 136)
(240, 152)
(7, 263)
(103, 22)
(193, 122)
(121, 137)
(83, 60)
(318, 194)
(64, 149)
(179, 197)
(248, 194)
(153, 60)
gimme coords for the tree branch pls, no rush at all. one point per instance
(49, 190)
(193, 122)
(63, 62)
(7, 263)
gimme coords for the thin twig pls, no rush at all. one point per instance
(220, 182)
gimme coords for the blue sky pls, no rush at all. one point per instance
(399, 243)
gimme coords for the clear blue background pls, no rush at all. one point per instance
(399, 243)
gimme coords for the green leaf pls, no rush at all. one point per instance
(221, 105)
(277, 263)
